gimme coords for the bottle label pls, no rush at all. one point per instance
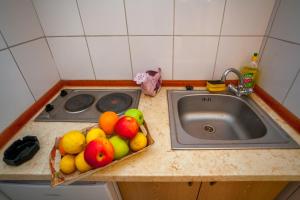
(248, 80)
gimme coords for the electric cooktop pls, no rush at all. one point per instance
(80, 105)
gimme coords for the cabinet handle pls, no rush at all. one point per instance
(190, 183)
(212, 183)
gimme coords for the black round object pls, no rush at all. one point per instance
(79, 102)
(63, 93)
(49, 107)
(116, 102)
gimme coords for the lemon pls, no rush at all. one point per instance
(95, 133)
(73, 142)
(81, 164)
(138, 142)
(67, 164)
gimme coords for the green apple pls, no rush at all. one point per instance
(136, 114)
(120, 147)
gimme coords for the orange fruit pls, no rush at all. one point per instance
(107, 121)
(61, 148)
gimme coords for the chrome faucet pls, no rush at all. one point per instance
(240, 89)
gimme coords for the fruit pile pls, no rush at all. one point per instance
(115, 138)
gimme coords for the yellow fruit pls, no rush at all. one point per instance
(80, 163)
(95, 133)
(73, 142)
(138, 142)
(67, 164)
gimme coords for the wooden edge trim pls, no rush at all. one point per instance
(288, 116)
(94, 83)
(120, 83)
(14, 127)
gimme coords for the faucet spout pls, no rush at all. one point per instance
(240, 89)
(237, 72)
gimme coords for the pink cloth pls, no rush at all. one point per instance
(150, 81)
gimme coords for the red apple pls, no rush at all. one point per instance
(99, 152)
(127, 127)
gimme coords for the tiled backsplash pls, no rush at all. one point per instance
(48, 40)
(193, 37)
(280, 63)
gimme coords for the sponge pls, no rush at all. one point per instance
(215, 86)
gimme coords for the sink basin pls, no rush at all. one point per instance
(199, 119)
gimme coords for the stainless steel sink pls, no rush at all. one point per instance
(199, 119)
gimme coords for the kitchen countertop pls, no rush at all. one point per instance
(160, 162)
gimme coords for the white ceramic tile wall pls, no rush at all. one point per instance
(18, 21)
(15, 95)
(279, 66)
(146, 17)
(37, 66)
(198, 17)
(244, 17)
(151, 52)
(72, 57)
(111, 58)
(286, 25)
(103, 17)
(292, 99)
(59, 17)
(235, 52)
(194, 57)
(2, 43)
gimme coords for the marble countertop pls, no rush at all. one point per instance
(160, 162)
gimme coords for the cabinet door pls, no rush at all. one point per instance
(240, 190)
(159, 191)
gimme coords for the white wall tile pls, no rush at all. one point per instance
(146, 17)
(37, 66)
(286, 24)
(103, 17)
(15, 95)
(194, 57)
(293, 98)
(2, 43)
(59, 17)
(149, 52)
(198, 17)
(72, 58)
(18, 21)
(244, 17)
(278, 67)
(235, 52)
(111, 58)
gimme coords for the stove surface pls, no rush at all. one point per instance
(82, 105)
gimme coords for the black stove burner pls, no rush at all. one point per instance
(79, 102)
(116, 102)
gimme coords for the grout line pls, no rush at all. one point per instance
(173, 40)
(287, 41)
(24, 42)
(129, 48)
(53, 36)
(218, 46)
(293, 82)
(87, 44)
(267, 33)
(56, 65)
(18, 67)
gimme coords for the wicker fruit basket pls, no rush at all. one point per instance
(58, 178)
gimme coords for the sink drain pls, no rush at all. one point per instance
(208, 128)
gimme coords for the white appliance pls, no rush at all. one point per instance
(41, 190)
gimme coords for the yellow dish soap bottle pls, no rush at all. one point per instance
(250, 72)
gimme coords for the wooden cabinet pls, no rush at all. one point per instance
(159, 191)
(240, 190)
(200, 191)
